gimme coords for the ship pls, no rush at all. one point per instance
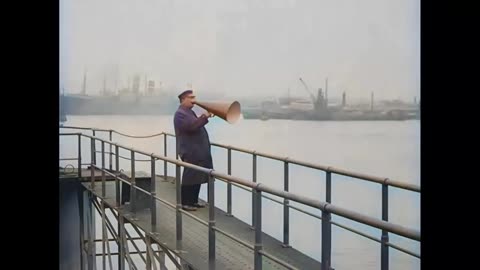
(125, 101)
(318, 108)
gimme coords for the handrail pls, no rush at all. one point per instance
(361, 176)
(264, 196)
(85, 128)
(323, 206)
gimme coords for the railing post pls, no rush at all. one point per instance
(326, 240)
(92, 259)
(258, 230)
(81, 209)
(165, 153)
(103, 170)
(110, 151)
(104, 234)
(79, 156)
(286, 209)
(121, 242)
(211, 222)
(150, 258)
(254, 178)
(92, 160)
(153, 205)
(117, 170)
(328, 190)
(133, 190)
(94, 149)
(179, 206)
(229, 185)
(384, 250)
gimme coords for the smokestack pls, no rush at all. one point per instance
(320, 102)
(344, 99)
(146, 83)
(84, 85)
(326, 92)
(136, 84)
(371, 102)
(116, 80)
(104, 85)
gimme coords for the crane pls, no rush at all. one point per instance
(316, 101)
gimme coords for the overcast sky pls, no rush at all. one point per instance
(244, 47)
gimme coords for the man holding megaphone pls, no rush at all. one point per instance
(193, 146)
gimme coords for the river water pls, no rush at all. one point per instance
(380, 148)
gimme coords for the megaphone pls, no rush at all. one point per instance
(229, 112)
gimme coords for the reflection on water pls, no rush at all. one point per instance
(385, 149)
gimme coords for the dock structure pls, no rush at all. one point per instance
(209, 238)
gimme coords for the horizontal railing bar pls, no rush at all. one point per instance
(390, 182)
(111, 174)
(403, 250)
(355, 231)
(131, 252)
(165, 202)
(273, 258)
(272, 199)
(277, 201)
(161, 200)
(84, 128)
(115, 239)
(202, 222)
(65, 159)
(194, 217)
(375, 179)
(390, 227)
(237, 185)
(234, 238)
(139, 160)
(71, 133)
(333, 222)
(142, 190)
(366, 177)
(291, 206)
(248, 245)
(319, 217)
(106, 152)
(304, 211)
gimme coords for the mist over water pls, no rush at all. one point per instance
(385, 149)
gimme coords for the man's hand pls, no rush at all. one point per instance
(208, 114)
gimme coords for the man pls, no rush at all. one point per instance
(193, 146)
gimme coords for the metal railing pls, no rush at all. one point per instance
(257, 190)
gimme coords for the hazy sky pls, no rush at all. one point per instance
(244, 47)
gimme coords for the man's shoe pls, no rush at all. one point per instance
(189, 208)
(199, 205)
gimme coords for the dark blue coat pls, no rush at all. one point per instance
(193, 144)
